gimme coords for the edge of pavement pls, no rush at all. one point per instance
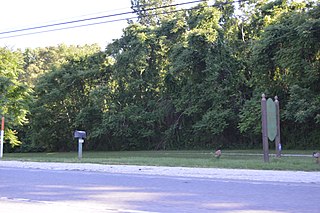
(183, 172)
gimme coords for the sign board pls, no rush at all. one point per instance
(271, 119)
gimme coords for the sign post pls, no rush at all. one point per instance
(264, 129)
(1, 139)
(278, 143)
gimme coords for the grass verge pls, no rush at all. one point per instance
(234, 159)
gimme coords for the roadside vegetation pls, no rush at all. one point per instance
(235, 159)
(175, 80)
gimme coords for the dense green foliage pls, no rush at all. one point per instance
(14, 95)
(176, 79)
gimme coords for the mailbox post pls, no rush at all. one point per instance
(80, 135)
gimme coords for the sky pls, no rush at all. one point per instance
(21, 14)
(24, 14)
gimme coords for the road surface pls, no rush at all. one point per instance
(50, 189)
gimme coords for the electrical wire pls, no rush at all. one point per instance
(64, 23)
(108, 16)
(93, 18)
(65, 28)
(66, 18)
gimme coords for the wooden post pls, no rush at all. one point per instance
(264, 129)
(278, 142)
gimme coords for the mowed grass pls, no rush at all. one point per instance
(236, 159)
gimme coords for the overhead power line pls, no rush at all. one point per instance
(64, 23)
(103, 17)
(67, 18)
(93, 18)
(65, 28)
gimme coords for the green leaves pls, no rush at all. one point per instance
(250, 115)
(173, 80)
(303, 105)
(63, 98)
(15, 96)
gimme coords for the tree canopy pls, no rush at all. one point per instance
(15, 95)
(175, 79)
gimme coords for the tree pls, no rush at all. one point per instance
(41, 60)
(151, 12)
(135, 83)
(286, 64)
(204, 72)
(181, 79)
(63, 98)
(15, 96)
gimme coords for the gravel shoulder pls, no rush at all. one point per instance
(215, 173)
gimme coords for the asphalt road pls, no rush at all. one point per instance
(44, 190)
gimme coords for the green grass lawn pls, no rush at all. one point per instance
(240, 159)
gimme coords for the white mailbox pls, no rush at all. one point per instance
(80, 135)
